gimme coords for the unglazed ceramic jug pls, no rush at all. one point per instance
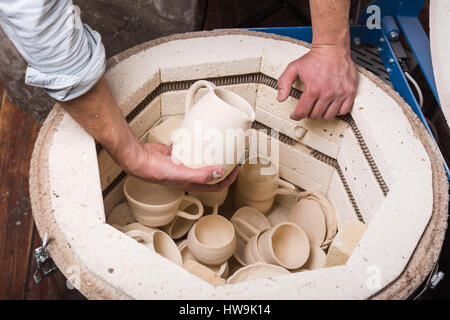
(205, 137)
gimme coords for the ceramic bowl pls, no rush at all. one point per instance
(212, 239)
(121, 215)
(221, 270)
(285, 244)
(257, 271)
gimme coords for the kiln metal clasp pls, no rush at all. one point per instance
(45, 264)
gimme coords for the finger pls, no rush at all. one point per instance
(215, 187)
(286, 80)
(201, 175)
(319, 108)
(346, 106)
(304, 106)
(333, 109)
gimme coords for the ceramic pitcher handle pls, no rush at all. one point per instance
(190, 216)
(246, 224)
(190, 97)
(284, 187)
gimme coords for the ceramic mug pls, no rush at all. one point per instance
(221, 269)
(180, 226)
(285, 244)
(155, 205)
(252, 253)
(210, 199)
(218, 112)
(258, 180)
(241, 201)
(155, 239)
(212, 239)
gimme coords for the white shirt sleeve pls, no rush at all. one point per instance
(64, 56)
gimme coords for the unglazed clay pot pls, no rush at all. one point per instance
(210, 199)
(221, 269)
(121, 215)
(258, 180)
(315, 215)
(257, 271)
(155, 239)
(212, 239)
(286, 245)
(155, 205)
(201, 139)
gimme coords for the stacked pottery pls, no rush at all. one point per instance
(315, 215)
(258, 183)
(212, 246)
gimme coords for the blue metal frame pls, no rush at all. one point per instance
(404, 13)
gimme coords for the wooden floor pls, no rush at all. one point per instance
(18, 236)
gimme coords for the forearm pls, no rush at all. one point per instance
(330, 23)
(98, 113)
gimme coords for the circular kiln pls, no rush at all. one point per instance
(377, 164)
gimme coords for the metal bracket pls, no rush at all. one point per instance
(431, 282)
(44, 263)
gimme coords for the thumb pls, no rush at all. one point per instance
(286, 80)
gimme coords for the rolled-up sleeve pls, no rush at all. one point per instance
(64, 56)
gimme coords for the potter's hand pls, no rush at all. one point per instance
(330, 79)
(154, 164)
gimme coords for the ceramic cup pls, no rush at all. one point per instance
(217, 113)
(210, 199)
(180, 226)
(252, 253)
(155, 239)
(285, 244)
(221, 269)
(155, 205)
(258, 180)
(241, 201)
(212, 239)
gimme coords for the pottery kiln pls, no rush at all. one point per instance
(377, 164)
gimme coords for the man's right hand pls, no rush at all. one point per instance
(98, 113)
(153, 163)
